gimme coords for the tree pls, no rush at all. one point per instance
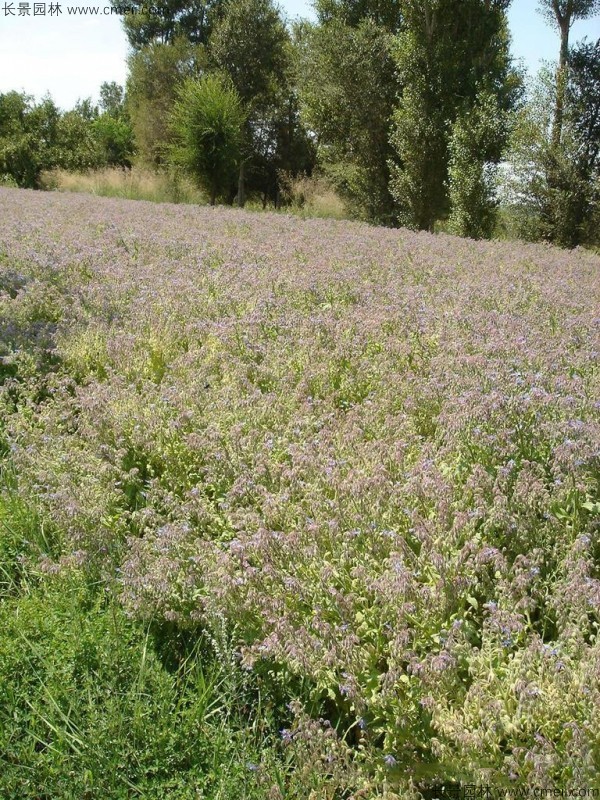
(554, 190)
(155, 72)
(418, 139)
(86, 109)
(17, 161)
(207, 122)
(76, 147)
(112, 129)
(386, 14)
(28, 137)
(583, 101)
(190, 20)
(562, 14)
(114, 138)
(347, 92)
(112, 99)
(250, 44)
(447, 53)
(472, 171)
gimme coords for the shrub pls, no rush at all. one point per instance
(208, 120)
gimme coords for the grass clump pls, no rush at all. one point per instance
(90, 711)
(132, 184)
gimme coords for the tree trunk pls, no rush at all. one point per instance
(241, 197)
(561, 81)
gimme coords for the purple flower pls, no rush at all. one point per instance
(286, 735)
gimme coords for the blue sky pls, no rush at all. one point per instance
(70, 56)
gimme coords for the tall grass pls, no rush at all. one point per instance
(137, 183)
(96, 705)
(313, 196)
(303, 196)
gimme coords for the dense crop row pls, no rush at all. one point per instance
(366, 462)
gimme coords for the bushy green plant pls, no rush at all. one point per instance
(115, 140)
(155, 73)
(471, 171)
(207, 122)
(552, 186)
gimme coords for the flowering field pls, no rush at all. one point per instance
(363, 463)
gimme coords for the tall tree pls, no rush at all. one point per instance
(76, 146)
(447, 54)
(113, 129)
(208, 122)
(562, 14)
(472, 167)
(583, 100)
(112, 99)
(155, 72)
(386, 14)
(179, 19)
(554, 191)
(347, 91)
(250, 43)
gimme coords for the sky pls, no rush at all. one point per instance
(70, 55)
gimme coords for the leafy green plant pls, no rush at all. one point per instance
(207, 122)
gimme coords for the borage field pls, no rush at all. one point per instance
(293, 509)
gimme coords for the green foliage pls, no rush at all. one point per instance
(115, 140)
(446, 54)
(77, 148)
(556, 11)
(112, 128)
(8, 181)
(89, 709)
(583, 99)
(112, 99)
(250, 44)
(347, 91)
(177, 19)
(471, 173)
(207, 121)
(35, 138)
(562, 14)
(554, 188)
(386, 14)
(155, 73)
(28, 136)
(419, 141)
(563, 190)
(97, 705)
